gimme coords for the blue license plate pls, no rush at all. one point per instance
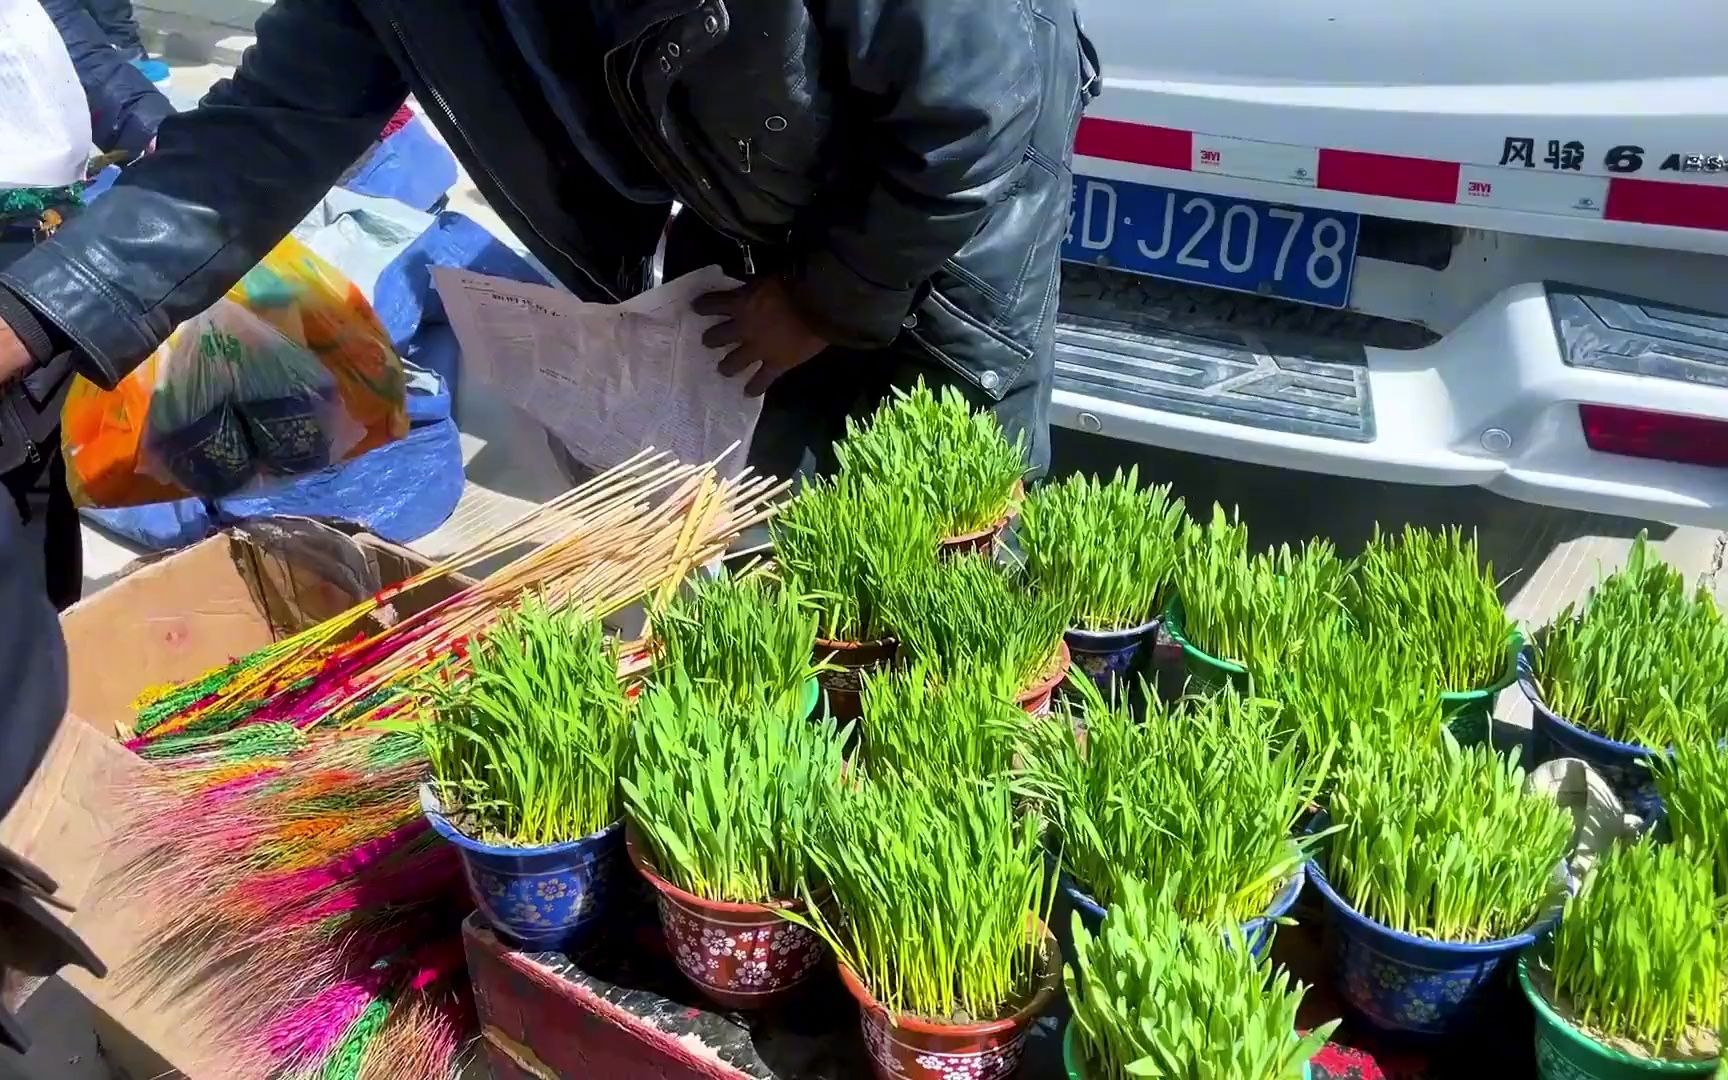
(1240, 244)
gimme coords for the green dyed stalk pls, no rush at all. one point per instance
(954, 463)
(1160, 997)
(935, 886)
(525, 750)
(1640, 951)
(345, 1060)
(1205, 791)
(1426, 598)
(725, 798)
(838, 540)
(752, 638)
(1444, 842)
(1338, 689)
(967, 611)
(1255, 610)
(1643, 661)
(1693, 781)
(918, 725)
(1108, 550)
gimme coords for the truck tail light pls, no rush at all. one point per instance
(1658, 436)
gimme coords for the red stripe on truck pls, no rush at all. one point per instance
(1137, 144)
(1394, 177)
(1660, 202)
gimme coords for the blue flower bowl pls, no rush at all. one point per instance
(1112, 657)
(1624, 765)
(1257, 931)
(1400, 982)
(544, 899)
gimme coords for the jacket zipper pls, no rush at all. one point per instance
(444, 108)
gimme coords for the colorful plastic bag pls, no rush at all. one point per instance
(289, 373)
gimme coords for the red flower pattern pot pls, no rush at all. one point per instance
(908, 1048)
(1036, 700)
(855, 660)
(742, 956)
(984, 540)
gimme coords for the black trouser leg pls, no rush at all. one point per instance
(119, 25)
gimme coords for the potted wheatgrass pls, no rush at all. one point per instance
(1109, 551)
(931, 727)
(525, 751)
(750, 637)
(1442, 867)
(972, 611)
(721, 801)
(937, 889)
(1237, 615)
(1425, 598)
(1632, 983)
(1205, 792)
(834, 543)
(1640, 669)
(1156, 996)
(1338, 689)
(953, 462)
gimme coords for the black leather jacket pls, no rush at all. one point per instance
(908, 159)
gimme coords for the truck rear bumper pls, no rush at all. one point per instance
(1495, 403)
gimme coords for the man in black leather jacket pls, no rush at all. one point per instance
(891, 175)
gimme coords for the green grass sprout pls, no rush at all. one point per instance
(967, 611)
(1644, 662)
(1641, 950)
(917, 724)
(1444, 842)
(956, 463)
(1338, 689)
(1157, 996)
(935, 887)
(1425, 597)
(1109, 550)
(838, 540)
(1255, 610)
(726, 798)
(1204, 790)
(525, 750)
(746, 633)
(1693, 783)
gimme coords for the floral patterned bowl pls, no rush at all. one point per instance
(742, 956)
(909, 1048)
(1110, 657)
(544, 899)
(1401, 982)
(1257, 931)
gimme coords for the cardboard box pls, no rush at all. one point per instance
(166, 621)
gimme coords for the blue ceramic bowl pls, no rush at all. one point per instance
(1401, 982)
(545, 899)
(1110, 657)
(1624, 765)
(1258, 930)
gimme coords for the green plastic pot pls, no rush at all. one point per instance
(1469, 713)
(1565, 1053)
(1205, 671)
(1071, 1057)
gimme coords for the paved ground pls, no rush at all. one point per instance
(1546, 557)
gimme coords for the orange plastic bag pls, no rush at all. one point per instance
(289, 373)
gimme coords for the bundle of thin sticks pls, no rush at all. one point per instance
(294, 896)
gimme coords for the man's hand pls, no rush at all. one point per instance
(769, 333)
(14, 357)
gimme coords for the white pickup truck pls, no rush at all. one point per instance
(1478, 242)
